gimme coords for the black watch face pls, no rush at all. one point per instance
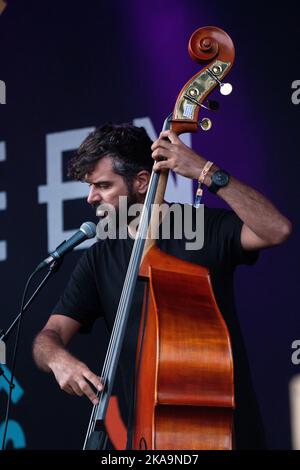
(220, 178)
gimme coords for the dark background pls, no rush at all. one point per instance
(72, 65)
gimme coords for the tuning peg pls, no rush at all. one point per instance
(225, 88)
(211, 105)
(205, 124)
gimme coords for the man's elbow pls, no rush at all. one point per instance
(283, 233)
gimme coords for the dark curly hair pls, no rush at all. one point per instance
(127, 145)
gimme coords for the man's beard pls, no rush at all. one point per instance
(119, 219)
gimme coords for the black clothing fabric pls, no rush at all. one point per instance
(96, 284)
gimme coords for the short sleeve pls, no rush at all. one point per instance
(223, 230)
(80, 299)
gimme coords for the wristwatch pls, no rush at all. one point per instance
(219, 179)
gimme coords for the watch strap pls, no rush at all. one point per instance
(214, 187)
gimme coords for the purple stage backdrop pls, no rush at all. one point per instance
(66, 67)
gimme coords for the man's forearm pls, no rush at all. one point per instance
(255, 210)
(48, 348)
(72, 375)
(259, 215)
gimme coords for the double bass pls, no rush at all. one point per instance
(184, 368)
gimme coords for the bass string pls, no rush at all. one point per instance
(132, 267)
(127, 284)
(131, 272)
(136, 253)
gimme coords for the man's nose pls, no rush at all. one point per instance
(94, 195)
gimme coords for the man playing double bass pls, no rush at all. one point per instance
(117, 160)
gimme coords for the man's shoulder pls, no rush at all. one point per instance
(92, 252)
(95, 248)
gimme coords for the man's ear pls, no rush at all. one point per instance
(141, 182)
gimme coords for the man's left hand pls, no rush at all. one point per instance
(178, 156)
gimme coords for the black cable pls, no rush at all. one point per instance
(11, 384)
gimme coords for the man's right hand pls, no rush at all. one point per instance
(74, 377)
(50, 354)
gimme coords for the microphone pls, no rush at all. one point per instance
(87, 230)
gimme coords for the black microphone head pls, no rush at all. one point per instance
(89, 229)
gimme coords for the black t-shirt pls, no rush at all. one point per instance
(96, 284)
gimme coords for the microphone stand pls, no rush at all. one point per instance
(5, 334)
(87, 230)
